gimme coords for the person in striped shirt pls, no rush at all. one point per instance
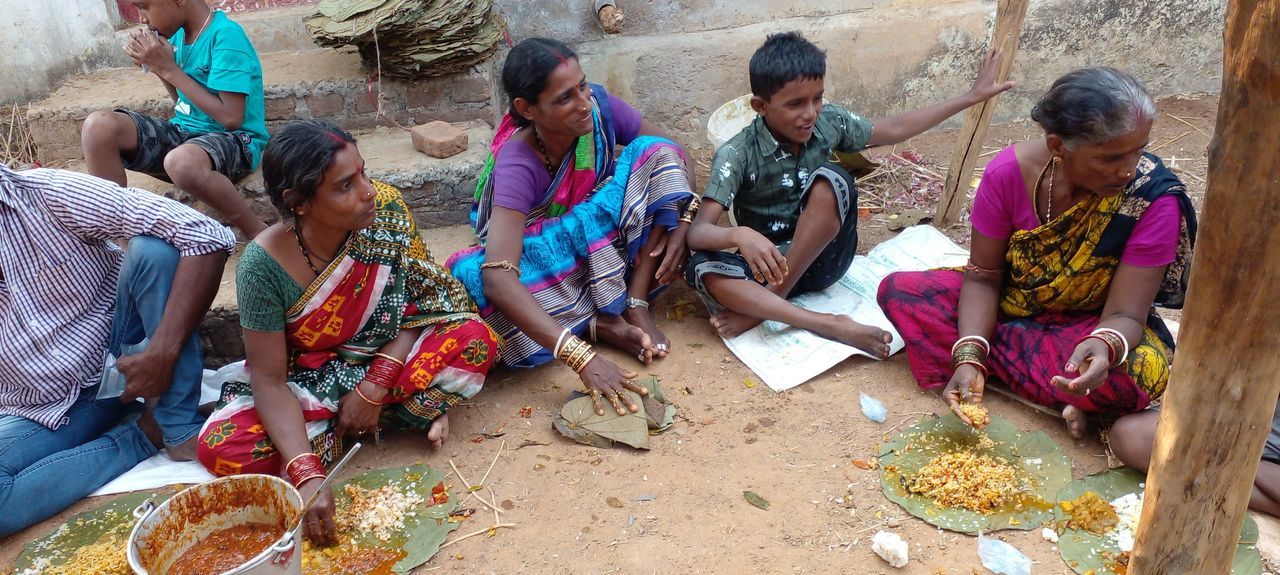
(68, 296)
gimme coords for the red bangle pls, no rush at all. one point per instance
(975, 364)
(303, 468)
(383, 372)
(1111, 350)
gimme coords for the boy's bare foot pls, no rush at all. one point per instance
(615, 331)
(439, 431)
(1075, 421)
(641, 318)
(732, 324)
(868, 338)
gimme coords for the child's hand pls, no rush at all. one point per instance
(986, 86)
(767, 263)
(146, 48)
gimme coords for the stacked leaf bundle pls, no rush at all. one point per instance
(412, 38)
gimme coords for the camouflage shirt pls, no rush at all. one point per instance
(764, 183)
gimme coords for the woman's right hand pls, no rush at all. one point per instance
(966, 386)
(319, 526)
(605, 379)
(766, 261)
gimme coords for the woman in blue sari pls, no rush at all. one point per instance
(575, 237)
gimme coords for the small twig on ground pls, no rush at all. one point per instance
(494, 496)
(1193, 126)
(876, 526)
(494, 527)
(470, 492)
(530, 443)
(908, 418)
(484, 480)
(1167, 142)
(917, 167)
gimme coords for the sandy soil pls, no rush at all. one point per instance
(794, 449)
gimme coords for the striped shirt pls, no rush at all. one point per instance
(58, 272)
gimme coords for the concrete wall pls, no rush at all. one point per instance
(40, 44)
(679, 60)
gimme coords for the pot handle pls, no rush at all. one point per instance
(143, 511)
(284, 549)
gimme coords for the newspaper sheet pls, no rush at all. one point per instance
(784, 357)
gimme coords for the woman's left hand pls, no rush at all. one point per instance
(986, 86)
(676, 256)
(357, 416)
(1090, 362)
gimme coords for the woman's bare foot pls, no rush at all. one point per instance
(439, 431)
(868, 338)
(615, 331)
(641, 318)
(732, 324)
(1075, 421)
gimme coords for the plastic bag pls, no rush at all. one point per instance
(872, 408)
(1002, 558)
(891, 548)
(112, 384)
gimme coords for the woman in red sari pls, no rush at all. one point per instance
(349, 326)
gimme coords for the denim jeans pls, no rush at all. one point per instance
(44, 471)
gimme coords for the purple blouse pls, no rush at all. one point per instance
(519, 176)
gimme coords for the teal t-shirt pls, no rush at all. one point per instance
(222, 59)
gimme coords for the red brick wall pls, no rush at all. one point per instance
(130, 14)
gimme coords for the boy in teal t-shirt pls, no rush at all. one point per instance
(218, 129)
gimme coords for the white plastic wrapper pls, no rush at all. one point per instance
(890, 547)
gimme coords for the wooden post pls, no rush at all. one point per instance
(1005, 35)
(1226, 375)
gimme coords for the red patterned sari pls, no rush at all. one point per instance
(383, 281)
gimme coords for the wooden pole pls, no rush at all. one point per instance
(1226, 375)
(1008, 28)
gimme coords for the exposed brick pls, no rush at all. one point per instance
(282, 108)
(326, 105)
(458, 114)
(367, 102)
(472, 90)
(425, 95)
(439, 139)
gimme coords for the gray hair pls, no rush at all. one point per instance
(1093, 105)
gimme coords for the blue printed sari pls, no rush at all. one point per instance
(583, 236)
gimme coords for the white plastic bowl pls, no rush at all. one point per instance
(730, 119)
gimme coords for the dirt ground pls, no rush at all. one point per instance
(793, 448)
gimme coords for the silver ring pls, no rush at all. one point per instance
(640, 356)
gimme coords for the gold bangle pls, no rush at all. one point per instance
(576, 355)
(585, 360)
(565, 348)
(573, 357)
(389, 357)
(501, 264)
(366, 398)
